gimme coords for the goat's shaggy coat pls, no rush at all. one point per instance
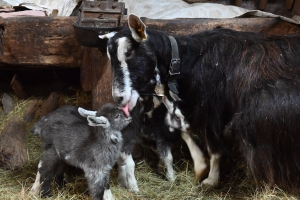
(239, 82)
(68, 139)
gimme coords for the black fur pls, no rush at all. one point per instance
(244, 81)
(155, 128)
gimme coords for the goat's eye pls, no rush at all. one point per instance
(117, 116)
(129, 54)
(177, 118)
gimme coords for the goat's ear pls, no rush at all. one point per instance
(169, 105)
(107, 35)
(114, 139)
(137, 27)
(98, 121)
(86, 113)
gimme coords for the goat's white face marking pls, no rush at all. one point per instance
(123, 88)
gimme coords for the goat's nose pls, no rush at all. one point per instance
(118, 100)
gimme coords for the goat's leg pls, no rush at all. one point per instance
(214, 174)
(200, 166)
(126, 167)
(59, 178)
(165, 160)
(37, 185)
(47, 170)
(98, 184)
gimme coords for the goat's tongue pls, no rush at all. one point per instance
(125, 110)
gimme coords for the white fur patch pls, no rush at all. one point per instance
(107, 53)
(167, 162)
(108, 195)
(126, 167)
(107, 35)
(184, 125)
(198, 157)
(37, 185)
(134, 97)
(214, 174)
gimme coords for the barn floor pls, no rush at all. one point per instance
(16, 184)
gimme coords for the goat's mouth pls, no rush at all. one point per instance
(125, 110)
(130, 104)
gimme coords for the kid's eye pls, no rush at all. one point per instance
(118, 115)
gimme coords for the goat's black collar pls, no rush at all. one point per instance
(174, 70)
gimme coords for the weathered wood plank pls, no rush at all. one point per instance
(190, 26)
(51, 42)
(96, 76)
(39, 41)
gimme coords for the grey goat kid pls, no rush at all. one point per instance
(95, 147)
(131, 137)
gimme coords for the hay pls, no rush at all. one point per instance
(16, 184)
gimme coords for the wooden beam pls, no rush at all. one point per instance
(190, 26)
(38, 41)
(50, 41)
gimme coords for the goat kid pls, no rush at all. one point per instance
(177, 118)
(155, 129)
(68, 139)
(131, 137)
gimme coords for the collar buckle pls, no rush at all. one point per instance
(174, 66)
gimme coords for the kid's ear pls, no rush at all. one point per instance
(137, 27)
(86, 113)
(98, 121)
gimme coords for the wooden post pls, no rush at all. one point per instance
(296, 8)
(96, 76)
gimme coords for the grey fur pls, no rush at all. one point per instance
(68, 139)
